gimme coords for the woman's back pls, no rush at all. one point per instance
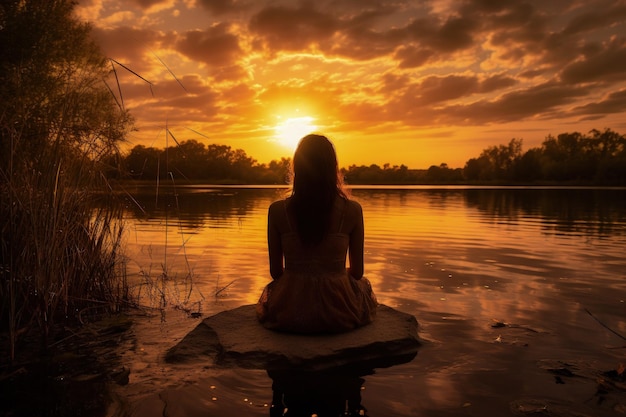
(310, 236)
(315, 292)
(329, 255)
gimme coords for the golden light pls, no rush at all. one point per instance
(289, 132)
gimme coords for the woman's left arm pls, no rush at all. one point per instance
(357, 237)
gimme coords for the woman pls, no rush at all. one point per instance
(310, 235)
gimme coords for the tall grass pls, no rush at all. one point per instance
(60, 250)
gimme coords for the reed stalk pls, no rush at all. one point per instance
(61, 235)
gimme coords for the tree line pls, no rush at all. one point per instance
(597, 158)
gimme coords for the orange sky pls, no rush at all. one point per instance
(389, 81)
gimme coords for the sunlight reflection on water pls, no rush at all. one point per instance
(456, 258)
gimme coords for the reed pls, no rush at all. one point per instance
(61, 247)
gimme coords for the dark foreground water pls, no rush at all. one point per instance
(520, 295)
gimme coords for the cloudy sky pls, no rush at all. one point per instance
(414, 82)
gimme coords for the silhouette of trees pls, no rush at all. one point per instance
(194, 161)
(495, 162)
(596, 158)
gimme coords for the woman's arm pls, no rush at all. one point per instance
(274, 243)
(357, 237)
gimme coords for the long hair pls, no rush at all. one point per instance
(315, 186)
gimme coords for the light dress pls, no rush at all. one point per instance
(315, 293)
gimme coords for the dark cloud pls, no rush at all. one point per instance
(598, 18)
(127, 43)
(145, 4)
(496, 82)
(598, 64)
(215, 47)
(447, 36)
(412, 57)
(176, 105)
(286, 28)
(537, 101)
(221, 7)
(433, 90)
(615, 102)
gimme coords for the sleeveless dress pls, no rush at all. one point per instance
(315, 293)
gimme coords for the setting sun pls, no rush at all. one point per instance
(290, 131)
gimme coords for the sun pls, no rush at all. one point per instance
(291, 130)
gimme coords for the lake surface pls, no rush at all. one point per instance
(505, 282)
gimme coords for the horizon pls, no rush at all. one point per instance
(404, 83)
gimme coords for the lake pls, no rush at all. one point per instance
(519, 293)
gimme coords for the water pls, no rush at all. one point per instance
(507, 284)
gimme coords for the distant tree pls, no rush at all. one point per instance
(143, 163)
(187, 160)
(279, 171)
(528, 167)
(443, 174)
(495, 162)
(599, 158)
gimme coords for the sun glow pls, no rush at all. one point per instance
(290, 131)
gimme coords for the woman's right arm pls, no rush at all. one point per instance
(357, 237)
(274, 243)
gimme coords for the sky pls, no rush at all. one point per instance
(413, 82)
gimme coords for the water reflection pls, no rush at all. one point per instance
(562, 210)
(329, 393)
(322, 394)
(194, 206)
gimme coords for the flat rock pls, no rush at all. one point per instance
(236, 338)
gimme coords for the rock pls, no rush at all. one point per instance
(235, 337)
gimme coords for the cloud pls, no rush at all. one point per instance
(536, 101)
(435, 91)
(221, 7)
(127, 43)
(153, 6)
(615, 102)
(598, 64)
(215, 46)
(292, 29)
(171, 104)
(600, 17)
(496, 82)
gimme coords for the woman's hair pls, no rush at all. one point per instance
(315, 185)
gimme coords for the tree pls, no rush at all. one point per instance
(59, 126)
(51, 84)
(495, 162)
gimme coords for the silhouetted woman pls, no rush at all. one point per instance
(310, 235)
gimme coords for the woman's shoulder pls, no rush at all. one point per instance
(278, 209)
(352, 209)
(353, 205)
(278, 204)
